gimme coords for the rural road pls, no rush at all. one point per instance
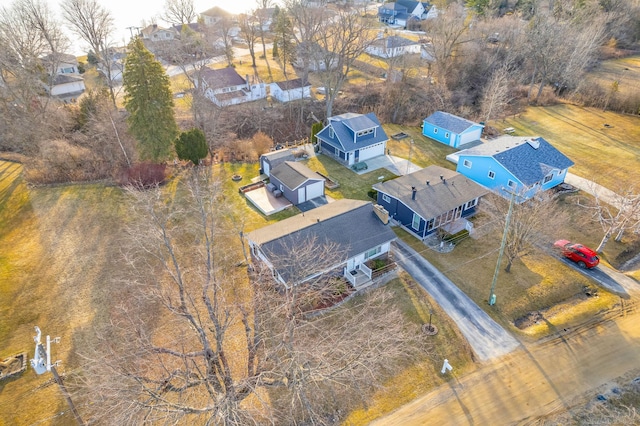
(535, 381)
(487, 338)
(610, 279)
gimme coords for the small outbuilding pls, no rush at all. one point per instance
(450, 129)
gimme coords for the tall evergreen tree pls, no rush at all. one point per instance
(149, 102)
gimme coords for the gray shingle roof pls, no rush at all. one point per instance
(346, 125)
(393, 41)
(529, 158)
(436, 198)
(294, 174)
(350, 225)
(224, 77)
(296, 83)
(276, 157)
(451, 122)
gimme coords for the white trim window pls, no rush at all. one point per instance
(548, 178)
(511, 184)
(491, 174)
(467, 164)
(415, 222)
(386, 198)
(471, 203)
(446, 135)
(331, 133)
(373, 252)
(435, 130)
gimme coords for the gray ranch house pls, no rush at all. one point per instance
(429, 199)
(352, 138)
(350, 227)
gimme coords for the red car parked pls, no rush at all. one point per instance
(582, 255)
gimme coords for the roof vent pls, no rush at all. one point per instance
(441, 177)
(427, 183)
(413, 192)
(535, 143)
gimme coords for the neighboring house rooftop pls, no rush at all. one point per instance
(60, 57)
(351, 225)
(439, 196)
(216, 12)
(449, 121)
(294, 174)
(223, 77)
(529, 158)
(345, 125)
(392, 42)
(65, 78)
(296, 83)
(279, 154)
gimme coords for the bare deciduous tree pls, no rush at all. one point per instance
(94, 25)
(530, 226)
(496, 94)
(194, 341)
(250, 32)
(616, 214)
(179, 12)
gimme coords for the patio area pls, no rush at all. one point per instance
(266, 202)
(396, 165)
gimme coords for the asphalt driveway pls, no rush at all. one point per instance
(487, 338)
(610, 279)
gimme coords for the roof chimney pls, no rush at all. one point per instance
(427, 183)
(317, 220)
(441, 177)
(413, 192)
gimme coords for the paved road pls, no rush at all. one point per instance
(487, 338)
(538, 380)
(611, 279)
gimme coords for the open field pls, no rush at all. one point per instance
(625, 71)
(606, 155)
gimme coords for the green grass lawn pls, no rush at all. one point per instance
(608, 156)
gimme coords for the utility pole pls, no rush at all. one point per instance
(41, 363)
(492, 296)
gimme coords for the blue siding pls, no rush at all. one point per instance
(429, 130)
(286, 192)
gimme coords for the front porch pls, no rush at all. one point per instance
(358, 276)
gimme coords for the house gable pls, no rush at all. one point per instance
(294, 175)
(350, 131)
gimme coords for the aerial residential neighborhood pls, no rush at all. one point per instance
(319, 212)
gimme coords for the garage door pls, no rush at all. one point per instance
(315, 190)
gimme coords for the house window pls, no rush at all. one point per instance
(547, 178)
(386, 198)
(281, 188)
(365, 132)
(430, 225)
(331, 132)
(435, 130)
(511, 184)
(467, 164)
(373, 252)
(471, 203)
(446, 135)
(491, 174)
(415, 222)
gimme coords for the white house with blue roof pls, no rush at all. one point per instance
(450, 129)
(352, 138)
(522, 165)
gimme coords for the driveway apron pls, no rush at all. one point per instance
(487, 338)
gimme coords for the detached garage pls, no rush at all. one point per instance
(297, 182)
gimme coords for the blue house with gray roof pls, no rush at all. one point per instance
(402, 11)
(524, 165)
(450, 129)
(352, 138)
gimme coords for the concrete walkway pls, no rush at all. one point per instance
(487, 338)
(588, 186)
(396, 165)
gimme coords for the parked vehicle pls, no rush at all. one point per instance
(582, 255)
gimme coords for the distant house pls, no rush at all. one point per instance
(521, 165)
(426, 52)
(225, 87)
(264, 18)
(156, 33)
(65, 82)
(351, 138)
(351, 227)
(290, 90)
(430, 199)
(67, 87)
(312, 57)
(399, 13)
(297, 182)
(214, 15)
(392, 46)
(450, 129)
(271, 159)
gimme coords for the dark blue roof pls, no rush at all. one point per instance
(450, 122)
(346, 125)
(529, 159)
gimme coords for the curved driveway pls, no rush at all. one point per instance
(487, 338)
